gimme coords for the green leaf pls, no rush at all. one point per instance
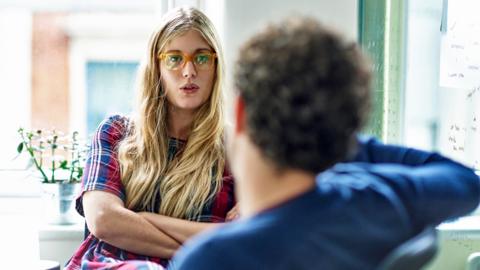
(20, 148)
(64, 165)
(80, 172)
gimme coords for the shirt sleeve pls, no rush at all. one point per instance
(225, 199)
(432, 187)
(373, 151)
(204, 254)
(102, 170)
(433, 192)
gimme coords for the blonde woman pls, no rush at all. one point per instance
(158, 177)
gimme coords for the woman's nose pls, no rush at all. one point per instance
(189, 70)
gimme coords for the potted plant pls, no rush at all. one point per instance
(58, 161)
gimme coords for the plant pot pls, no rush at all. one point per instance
(59, 203)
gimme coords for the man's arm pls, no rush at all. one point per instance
(109, 220)
(431, 186)
(433, 192)
(373, 151)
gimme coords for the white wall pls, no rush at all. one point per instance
(242, 18)
(15, 79)
(19, 216)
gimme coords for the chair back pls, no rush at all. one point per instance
(412, 254)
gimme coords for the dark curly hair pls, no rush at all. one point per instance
(306, 93)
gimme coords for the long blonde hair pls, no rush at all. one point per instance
(186, 183)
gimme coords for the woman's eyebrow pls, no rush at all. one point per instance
(173, 51)
(203, 49)
(197, 50)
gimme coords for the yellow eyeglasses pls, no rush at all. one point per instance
(202, 60)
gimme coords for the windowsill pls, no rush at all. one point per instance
(59, 242)
(49, 232)
(466, 225)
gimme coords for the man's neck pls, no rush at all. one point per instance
(261, 186)
(179, 123)
(274, 191)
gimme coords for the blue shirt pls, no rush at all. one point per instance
(357, 213)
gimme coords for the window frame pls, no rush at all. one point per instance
(382, 34)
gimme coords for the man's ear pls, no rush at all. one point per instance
(240, 115)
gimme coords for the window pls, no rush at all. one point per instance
(382, 36)
(426, 57)
(63, 60)
(110, 85)
(443, 78)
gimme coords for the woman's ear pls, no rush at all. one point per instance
(240, 115)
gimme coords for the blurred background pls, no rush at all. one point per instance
(67, 64)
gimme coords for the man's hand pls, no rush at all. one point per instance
(233, 214)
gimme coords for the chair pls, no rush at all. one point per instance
(413, 254)
(473, 261)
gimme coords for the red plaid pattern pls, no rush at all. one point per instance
(102, 172)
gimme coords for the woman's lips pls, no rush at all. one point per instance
(190, 88)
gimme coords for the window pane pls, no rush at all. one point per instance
(110, 89)
(443, 78)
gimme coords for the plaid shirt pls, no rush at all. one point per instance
(102, 172)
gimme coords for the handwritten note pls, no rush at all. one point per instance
(460, 46)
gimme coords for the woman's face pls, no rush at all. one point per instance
(187, 71)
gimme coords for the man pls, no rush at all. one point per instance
(303, 94)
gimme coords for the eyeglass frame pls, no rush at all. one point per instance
(187, 57)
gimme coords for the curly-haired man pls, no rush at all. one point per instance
(313, 194)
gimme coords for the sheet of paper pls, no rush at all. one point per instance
(460, 46)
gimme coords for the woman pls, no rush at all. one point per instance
(157, 178)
